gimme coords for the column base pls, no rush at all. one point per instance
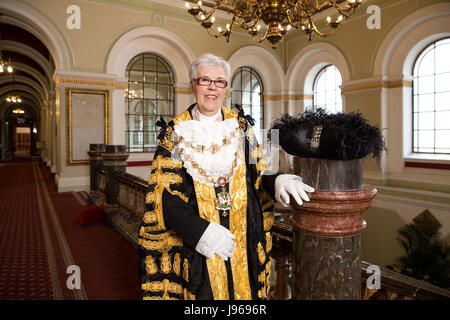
(326, 268)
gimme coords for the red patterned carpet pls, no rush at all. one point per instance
(39, 240)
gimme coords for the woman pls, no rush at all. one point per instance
(206, 230)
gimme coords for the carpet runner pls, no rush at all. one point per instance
(40, 242)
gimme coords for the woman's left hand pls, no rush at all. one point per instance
(291, 184)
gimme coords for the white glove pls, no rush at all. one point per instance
(286, 184)
(216, 240)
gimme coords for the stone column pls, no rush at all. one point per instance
(46, 131)
(96, 160)
(117, 113)
(281, 254)
(327, 230)
(53, 157)
(114, 161)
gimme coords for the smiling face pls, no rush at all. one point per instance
(209, 98)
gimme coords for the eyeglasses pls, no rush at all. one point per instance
(220, 83)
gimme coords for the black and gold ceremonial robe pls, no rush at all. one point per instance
(177, 212)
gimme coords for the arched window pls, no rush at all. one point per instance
(327, 94)
(248, 92)
(150, 94)
(431, 99)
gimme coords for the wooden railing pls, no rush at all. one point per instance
(131, 201)
(130, 210)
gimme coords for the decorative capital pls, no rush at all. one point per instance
(334, 213)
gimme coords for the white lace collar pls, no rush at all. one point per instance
(209, 149)
(201, 117)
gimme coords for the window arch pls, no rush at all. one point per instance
(150, 94)
(248, 91)
(431, 96)
(327, 93)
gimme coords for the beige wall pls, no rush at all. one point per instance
(370, 62)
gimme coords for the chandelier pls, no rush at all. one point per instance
(130, 94)
(14, 99)
(19, 111)
(4, 65)
(272, 19)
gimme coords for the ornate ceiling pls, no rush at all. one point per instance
(32, 63)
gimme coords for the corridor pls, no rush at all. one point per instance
(42, 247)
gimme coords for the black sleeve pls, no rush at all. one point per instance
(183, 218)
(261, 173)
(268, 183)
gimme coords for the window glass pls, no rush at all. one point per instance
(248, 92)
(327, 92)
(431, 96)
(150, 94)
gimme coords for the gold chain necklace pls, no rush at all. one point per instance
(223, 200)
(214, 148)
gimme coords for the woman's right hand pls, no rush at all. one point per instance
(216, 240)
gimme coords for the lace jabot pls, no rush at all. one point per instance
(209, 149)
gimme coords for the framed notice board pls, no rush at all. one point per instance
(87, 122)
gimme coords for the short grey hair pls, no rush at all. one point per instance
(209, 60)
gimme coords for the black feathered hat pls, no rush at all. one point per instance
(318, 134)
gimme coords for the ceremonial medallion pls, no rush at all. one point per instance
(223, 200)
(222, 181)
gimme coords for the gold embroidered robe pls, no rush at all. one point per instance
(178, 210)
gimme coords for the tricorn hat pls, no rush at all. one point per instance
(319, 134)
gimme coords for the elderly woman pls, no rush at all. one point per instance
(209, 209)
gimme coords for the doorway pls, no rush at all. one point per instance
(22, 142)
